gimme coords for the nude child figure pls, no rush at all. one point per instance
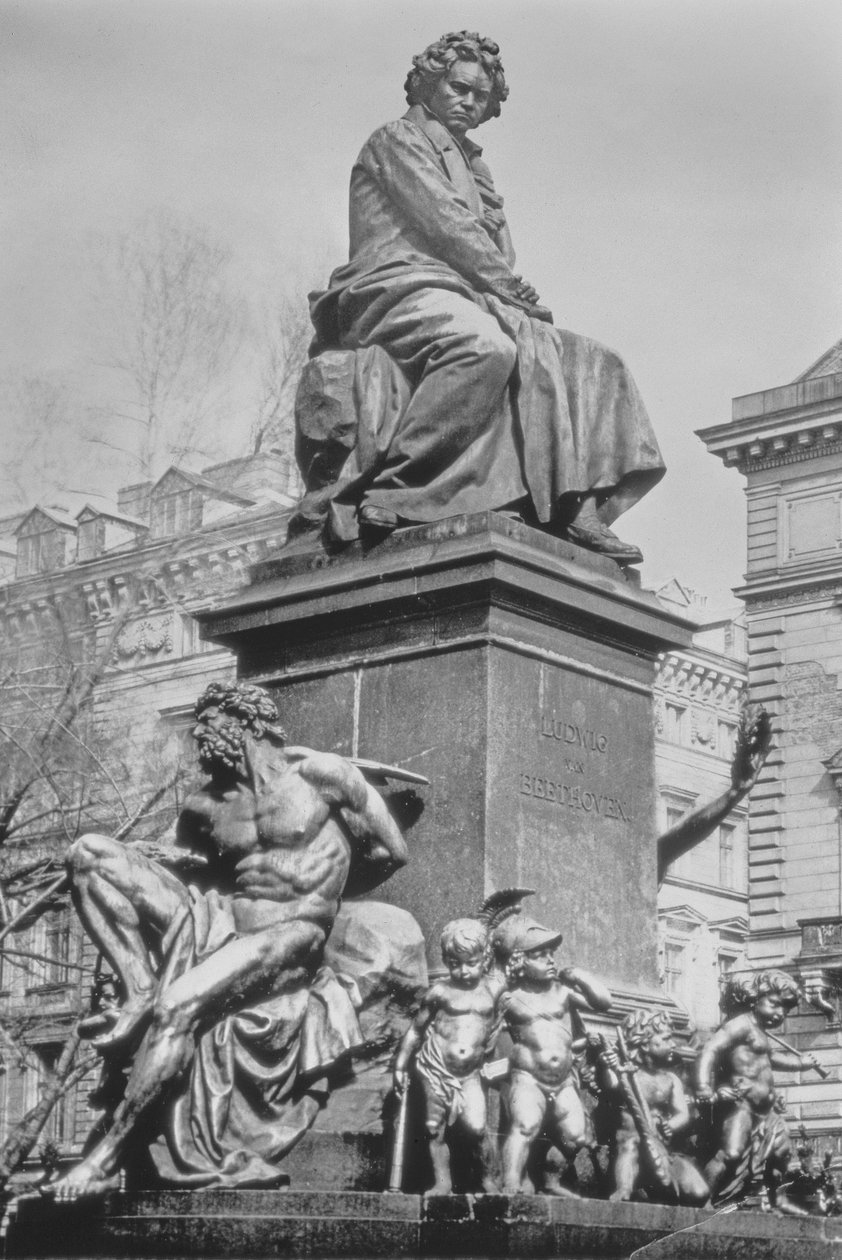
(450, 1040)
(537, 1011)
(735, 1071)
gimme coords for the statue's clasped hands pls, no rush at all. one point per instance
(524, 295)
(526, 291)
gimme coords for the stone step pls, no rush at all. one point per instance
(257, 1224)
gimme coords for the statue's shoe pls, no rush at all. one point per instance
(600, 538)
(377, 518)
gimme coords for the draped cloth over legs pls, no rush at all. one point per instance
(769, 1143)
(253, 1088)
(458, 402)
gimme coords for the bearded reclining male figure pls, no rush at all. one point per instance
(281, 828)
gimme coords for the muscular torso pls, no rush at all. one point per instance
(462, 1025)
(296, 835)
(540, 1027)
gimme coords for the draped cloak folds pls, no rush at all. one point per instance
(256, 1081)
(424, 215)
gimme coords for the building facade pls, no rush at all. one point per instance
(703, 900)
(787, 443)
(114, 591)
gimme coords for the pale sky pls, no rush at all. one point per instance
(672, 172)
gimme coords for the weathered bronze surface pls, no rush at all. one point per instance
(647, 1108)
(229, 1019)
(438, 384)
(735, 1079)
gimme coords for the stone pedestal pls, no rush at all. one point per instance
(512, 669)
(223, 1224)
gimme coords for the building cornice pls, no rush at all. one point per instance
(783, 425)
(759, 447)
(186, 568)
(690, 676)
(778, 592)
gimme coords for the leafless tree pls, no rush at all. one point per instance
(285, 334)
(171, 332)
(186, 364)
(62, 772)
(34, 465)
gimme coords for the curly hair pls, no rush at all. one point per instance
(513, 966)
(640, 1026)
(431, 65)
(738, 995)
(251, 705)
(463, 938)
(741, 992)
(779, 983)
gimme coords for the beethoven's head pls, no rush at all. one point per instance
(432, 79)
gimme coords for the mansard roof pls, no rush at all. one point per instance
(825, 365)
(89, 511)
(211, 488)
(56, 516)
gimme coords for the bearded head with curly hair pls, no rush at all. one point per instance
(430, 67)
(224, 712)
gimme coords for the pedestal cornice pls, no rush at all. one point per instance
(431, 566)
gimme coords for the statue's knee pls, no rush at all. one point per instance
(524, 1129)
(87, 852)
(498, 352)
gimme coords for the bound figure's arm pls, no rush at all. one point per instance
(381, 848)
(401, 160)
(752, 749)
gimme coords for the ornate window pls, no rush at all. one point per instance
(677, 723)
(675, 968)
(177, 513)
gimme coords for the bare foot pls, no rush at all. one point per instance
(557, 1191)
(786, 1207)
(87, 1180)
(441, 1187)
(118, 1026)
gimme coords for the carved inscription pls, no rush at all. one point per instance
(578, 741)
(572, 734)
(574, 796)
